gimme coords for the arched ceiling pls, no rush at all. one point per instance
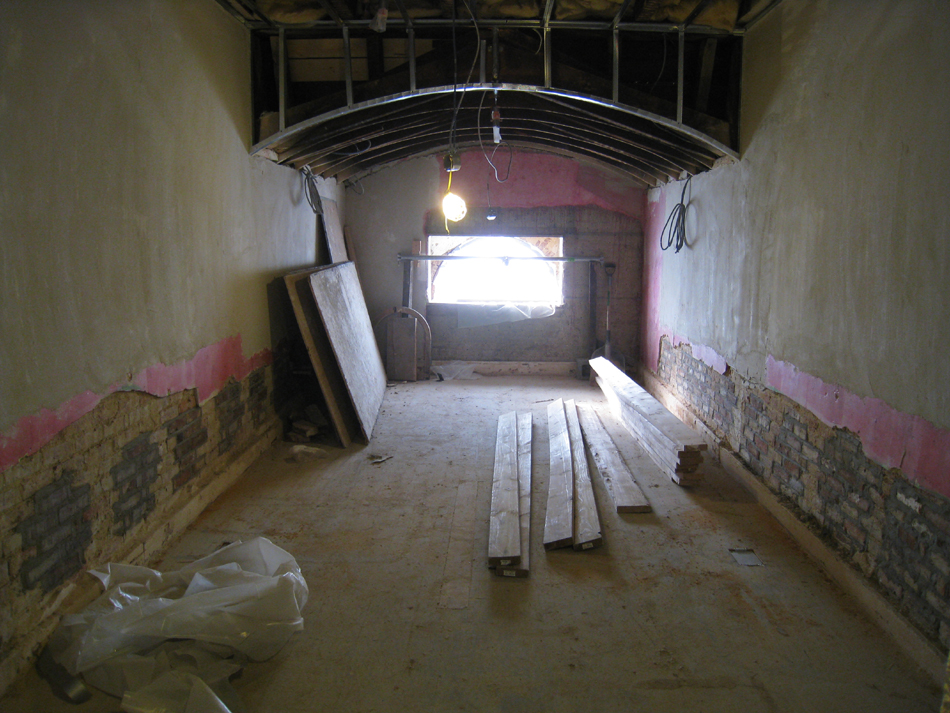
(644, 88)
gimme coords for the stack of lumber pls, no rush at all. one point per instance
(509, 532)
(624, 491)
(571, 518)
(673, 446)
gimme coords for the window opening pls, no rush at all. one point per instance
(489, 278)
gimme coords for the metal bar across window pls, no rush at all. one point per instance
(432, 258)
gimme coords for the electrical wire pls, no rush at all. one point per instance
(478, 45)
(481, 145)
(311, 191)
(674, 230)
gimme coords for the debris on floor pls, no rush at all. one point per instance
(301, 453)
(745, 557)
(309, 425)
(171, 641)
(376, 460)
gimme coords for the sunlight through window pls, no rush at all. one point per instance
(489, 278)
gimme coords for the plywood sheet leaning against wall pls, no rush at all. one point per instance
(587, 534)
(673, 446)
(342, 308)
(341, 412)
(559, 516)
(623, 488)
(524, 500)
(504, 528)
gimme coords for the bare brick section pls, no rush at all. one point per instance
(132, 479)
(896, 534)
(185, 434)
(257, 397)
(56, 534)
(230, 410)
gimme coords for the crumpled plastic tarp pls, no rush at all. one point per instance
(171, 641)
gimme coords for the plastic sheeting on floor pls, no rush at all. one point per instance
(171, 641)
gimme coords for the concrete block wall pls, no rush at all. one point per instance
(895, 533)
(116, 485)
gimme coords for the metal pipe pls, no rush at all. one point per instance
(681, 60)
(412, 58)
(547, 58)
(282, 79)
(439, 258)
(616, 65)
(348, 65)
(481, 61)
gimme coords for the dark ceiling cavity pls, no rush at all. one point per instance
(648, 89)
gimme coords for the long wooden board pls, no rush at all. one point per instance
(623, 488)
(333, 228)
(587, 534)
(524, 499)
(339, 299)
(673, 446)
(504, 526)
(327, 371)
(559, 516)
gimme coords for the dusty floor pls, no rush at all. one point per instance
(404, 616)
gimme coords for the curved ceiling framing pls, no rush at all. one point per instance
(646, 89)
(351, 141)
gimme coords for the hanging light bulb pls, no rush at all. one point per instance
(453, 207)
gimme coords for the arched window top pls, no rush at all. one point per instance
(488, 277)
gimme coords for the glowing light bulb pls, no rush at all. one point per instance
(454, 207)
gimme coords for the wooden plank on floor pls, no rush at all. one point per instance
(524, 499)
(673, 446)
(504, 526)
(339, 299)
(559, 516)
(587, 534)
(624, 491)
(341, 412)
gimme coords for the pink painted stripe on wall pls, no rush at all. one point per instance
(207, 372)
(893, 438)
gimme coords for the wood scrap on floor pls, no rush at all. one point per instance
(524, 500)
(587, 534)
(623, 488)
(559, 516)
(504, 532)
(673, 446)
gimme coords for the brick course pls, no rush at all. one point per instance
(896, 534)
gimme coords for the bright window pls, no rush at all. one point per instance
(500, 270)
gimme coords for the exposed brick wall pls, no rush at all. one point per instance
(105, 488)
(55, 536)
(896, 534)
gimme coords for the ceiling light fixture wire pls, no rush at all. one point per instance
(456, 97)
(497, 146)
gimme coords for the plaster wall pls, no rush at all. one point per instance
(135, 230)
(818, 264)
(598, 213)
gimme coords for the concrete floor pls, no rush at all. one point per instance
(404, 616)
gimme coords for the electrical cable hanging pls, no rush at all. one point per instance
(310, 190)
(674, 230)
